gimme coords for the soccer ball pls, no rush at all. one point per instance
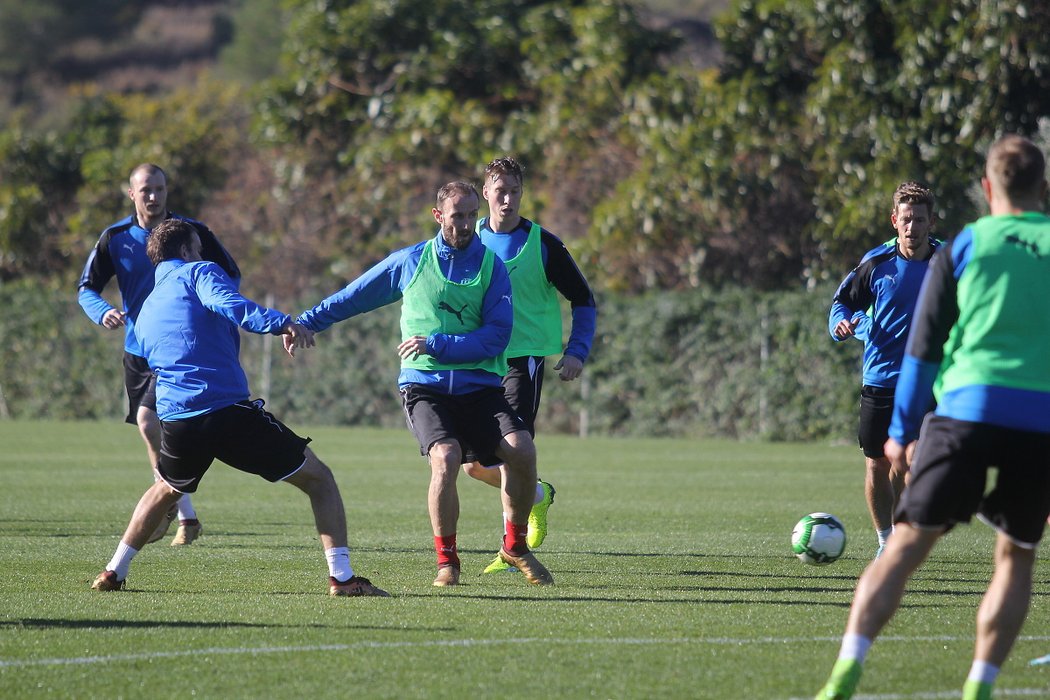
(819, 538)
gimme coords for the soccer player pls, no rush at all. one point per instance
(540, 268)
(874, 304)
(456, 320)
(188, 331)
(978, 342)
(121, 251)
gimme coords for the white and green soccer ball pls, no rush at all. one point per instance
(818, 539)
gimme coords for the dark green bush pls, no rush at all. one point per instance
(732, 363)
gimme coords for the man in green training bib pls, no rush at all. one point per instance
(456, 320)
(541, 270)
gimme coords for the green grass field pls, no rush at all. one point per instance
(674, 576)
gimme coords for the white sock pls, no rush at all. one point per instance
(854, 647)
(121, 561)
(186, 511)
(983, 672)
(539, 493)
(339, 563)
(884, 535)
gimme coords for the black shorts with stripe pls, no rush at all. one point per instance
(477, 420)
(141, 385)
(244, 436)
(522, 385)
(876, 411)
(950, 469)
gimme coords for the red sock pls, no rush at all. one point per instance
(447, 555)
(514, 539)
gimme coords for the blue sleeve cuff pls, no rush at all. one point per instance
(581, 336)
(863, 327)
(93, 304)
(838, 313)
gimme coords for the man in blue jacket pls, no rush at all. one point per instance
(874, 304)
(188, 328)
(456, 322)
(121, 252)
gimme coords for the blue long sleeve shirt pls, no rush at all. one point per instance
(188, 328)
(121, 252)
(385, 283)
(886, 285)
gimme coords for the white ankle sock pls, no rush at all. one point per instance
(884, 535)
(983, 672)
(854, 646)
(539, 493)
(186, 511)
(121, 561)
(339, 563)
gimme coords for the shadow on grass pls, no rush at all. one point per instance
(621, 600)
(36, 623)
(747, 597)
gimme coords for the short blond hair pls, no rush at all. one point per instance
(149, 169)
(1016, 167)
(505, 166)
(456, 187)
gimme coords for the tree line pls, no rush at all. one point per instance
(771, 172)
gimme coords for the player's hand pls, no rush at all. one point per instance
(295, 336)
(898, 453)
(900, 466)
(113, 319)
(412, 348)
(568, 368)
(844, 329)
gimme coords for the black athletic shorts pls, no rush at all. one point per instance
(950, 467)
(478, 420)
(244, 436)
(523, 384)
(141, 385)
(876, 410)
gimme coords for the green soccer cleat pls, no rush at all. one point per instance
(538, 517)
(498, 566)
(843, 681)
(976, 690)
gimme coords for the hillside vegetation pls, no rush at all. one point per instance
(300, 126)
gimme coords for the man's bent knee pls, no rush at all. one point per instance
(517, 448)
(877, 465)
(314, 473)
(445, 454)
